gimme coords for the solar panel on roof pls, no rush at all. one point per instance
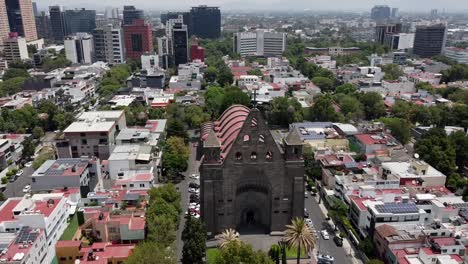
(397, 208)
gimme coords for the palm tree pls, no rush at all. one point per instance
(228, 236)
(298, 235)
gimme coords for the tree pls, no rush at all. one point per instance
(227, 237)
(347, 88)
(236, 253)
(155, 113)
(151, 253)
(28, 148)
(213, 100)
(195, 116)
(176, 128)
(373, 104)
(400, 128)
(275, 253)
(375, 261)
(11, 86)
(194, 237)
(323, 110)
(51, 63)
(11, 73)
(350, 107)
(367, 246)
(210, 74)
(460, 140)
(435, 148)
(298, 235)
(392, 72)
(225, 77)
(162, 230)
(257, 72)
(325, 84)
(284, 111)
(232, 96)
(38, 132)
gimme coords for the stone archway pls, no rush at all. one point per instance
(253, 209)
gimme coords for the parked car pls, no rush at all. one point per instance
(19, 173)
(28, 164)
(306, 214)
(194, 185)
(193, 190)
(325, 234)
(338, 241)
(27, 188)
(308, 221)
(325, 259)
(13, 178)
(194, 176)
(306, 194)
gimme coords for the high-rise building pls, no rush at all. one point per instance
(380, 12)
(79, 48)
(173, 15)
(111, 12)
(15, 48)
(21, 18)
(433, 12)
(109, 44)
(130, 13)
(44, 29)
(394, 12)
(4, 26)
(399, 41)
(205, 22)
(260, 43)
(382, 30)
(57, 23)
(163, 46)
(180, 43)
(430, 41)
(138, 39)
(35, 10)
(80, 20)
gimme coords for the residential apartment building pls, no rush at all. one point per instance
(27, 246)
(109, 44)
(260, 42)
(15, 48)
(70, 251)
(67, 173)
(80, 48)
(93, 135)
(129, 157)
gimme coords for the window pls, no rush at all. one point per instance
(142, 185)
(253, 155)
(276, 212)
(84, 141)
(269, 155)
(33, 179)
(131, 184)
(276, 198)
(285, 212)
(261, 138)
(137, 42)
(246, 138)
(82, 134)
(254, 122)
(238, 156)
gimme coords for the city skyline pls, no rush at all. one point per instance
(273, 5)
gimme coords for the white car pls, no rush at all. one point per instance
(19, 173)
(308, 222)
(28, 164)
(325, 234)
(194, 176)
(27, 188)
(306, 194)
(322, 258)
(193, 190)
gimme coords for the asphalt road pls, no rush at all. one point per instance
(327, 247)
(193, 165)
(15, 189)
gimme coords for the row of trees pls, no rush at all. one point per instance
(162, 218)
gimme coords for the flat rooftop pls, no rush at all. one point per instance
(89, 126)
(108, 115)
(62, 168)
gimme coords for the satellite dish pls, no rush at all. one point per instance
(416, 155)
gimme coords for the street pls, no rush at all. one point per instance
(15, 189)
(327, 247)
(183, 188)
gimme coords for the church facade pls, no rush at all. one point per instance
(248, 180)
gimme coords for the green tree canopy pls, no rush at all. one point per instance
(400, 128)
(237, 253)
(210, 74)
(323, 110)
(257, 72)
(373, 104)
(234, 95)
(11, 73)
(325, 84)
(392, 72)
(194, 237)
(151, 253)
(11, 86)
(284, 111)
(347, 88)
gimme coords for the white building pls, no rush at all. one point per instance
(458, 54)
(248, 80)
(109, 44)
(414, 172)
(129, 157)
(28, 246)
(15, 48)
(260, 42)
(80, 48)
(149, 61)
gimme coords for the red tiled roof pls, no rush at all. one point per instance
(45, 207)
(359, 201)
(445, 241)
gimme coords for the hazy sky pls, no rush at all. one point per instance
(404, 5)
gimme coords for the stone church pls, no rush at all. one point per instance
(249, 181)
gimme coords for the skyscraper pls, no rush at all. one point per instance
(4, 26)
(382, 30)
(380, 12)
(138, 39)
(80, 20)
(35, 11)
(394, 12)
(180, 43)
(57, 23)
(130, 13)
(430, 41)
(44, 29)
(79, 48)
(21, 18)
(109, 44)
(205, 22)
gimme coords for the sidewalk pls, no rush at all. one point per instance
(346, 245)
